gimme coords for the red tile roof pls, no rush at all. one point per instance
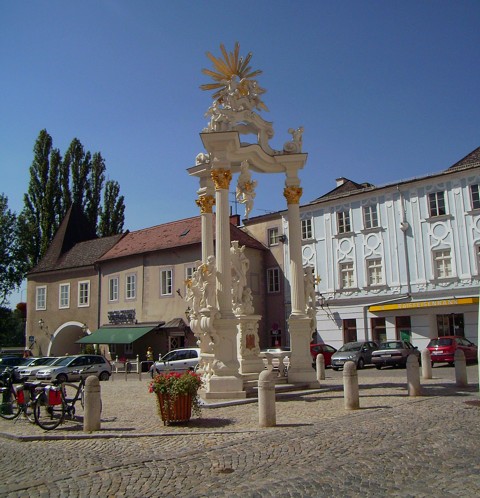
(170, 235)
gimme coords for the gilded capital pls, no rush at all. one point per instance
(205, 203)
(293, 194)
(221, 178)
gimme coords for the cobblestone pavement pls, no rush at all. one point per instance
(394, 445)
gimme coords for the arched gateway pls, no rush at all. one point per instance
(226, 326)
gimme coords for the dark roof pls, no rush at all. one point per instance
(348, 186)
(170, 235)
(472, 159)
(75, 244)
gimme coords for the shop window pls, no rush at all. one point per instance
(349, 330)
(379, 329)
(451, 324)
(403, 328)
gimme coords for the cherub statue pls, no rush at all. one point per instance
(245, 192)
(240, 266)
(309, 288)
(208, 283)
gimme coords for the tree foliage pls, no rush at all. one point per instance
(12, 265)
(12, 327)
(56, 183)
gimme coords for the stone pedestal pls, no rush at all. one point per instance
(248, 347)
(301, 370)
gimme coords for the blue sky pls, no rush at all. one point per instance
(386, 90)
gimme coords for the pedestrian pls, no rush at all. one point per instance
(149, 354)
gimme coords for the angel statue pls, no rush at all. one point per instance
(245, 192)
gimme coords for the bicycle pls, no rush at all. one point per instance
(52, 405)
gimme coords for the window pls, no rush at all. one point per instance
(349, 330)
(403, 328)
(347, 277)
(379, 329)
(273, 236)
(307, 232)
(343, 221)
(374, 272)
(84, 293)
(452, 324)
(41, 298)
(131, 286)
(128, 348)
(113, 289)
(475, 193)
(477, 253)
(370, 217)
(64, 296)
(442, 262)
(166, 282)
(437, 204)
(273, 280)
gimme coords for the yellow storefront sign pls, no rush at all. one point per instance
(424, 304)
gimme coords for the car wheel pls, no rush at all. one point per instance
(378, 367)
(360, 364)
(104, 376)
(62, 378)
(335, 368)
(451, 363)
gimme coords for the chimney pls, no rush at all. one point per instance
(235, 219)
(340, 181)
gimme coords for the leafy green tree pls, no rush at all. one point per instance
(55, 184)
(112, 214)
(11, 261)
(12, 327)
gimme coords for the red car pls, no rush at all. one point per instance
(442, 349)
(325, 349)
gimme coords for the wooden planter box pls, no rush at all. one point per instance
(178, 411)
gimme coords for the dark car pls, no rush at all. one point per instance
(442, 349)
(360, 352)
(13, 362)
(394, 353)
(325, 349)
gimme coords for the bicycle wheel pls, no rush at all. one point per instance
(47, 416)
(9, 407)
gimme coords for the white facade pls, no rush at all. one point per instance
(399, 260)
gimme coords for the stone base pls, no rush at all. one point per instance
(223, 387)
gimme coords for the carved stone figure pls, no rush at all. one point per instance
(309, 287)
(208, 283)
(240, 265)
(295, 145)
(245, 192)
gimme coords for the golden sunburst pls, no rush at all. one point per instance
(230, 67)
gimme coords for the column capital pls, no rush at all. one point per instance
(292, 194)
(205, 203)
(221, 178)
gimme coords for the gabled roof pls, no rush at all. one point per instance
(169, 236)
(75, 244)
(472, 159)
(347, 186)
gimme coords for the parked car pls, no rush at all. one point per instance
(13, 362)
(325, 349)
(442, 349)
(394, 353)
(28, 372)
(67, 368)
(359, 351)
(177, 360)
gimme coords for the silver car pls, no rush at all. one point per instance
(67, 369)
(29, 371)
(177, 360)
(359, 352)
(394, 353)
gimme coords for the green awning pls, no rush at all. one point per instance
(115, 335)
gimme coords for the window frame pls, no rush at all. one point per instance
(111, 281)
(61, 296)
(81, 293)
(166, 271)
(130, 290)
(273, 280)
(306, 228)
(436, 204)
(370, 217)
(374, 266)
(442, 262)
(273, 236)
(475, 197)
(344, 224)
(343, 271)
(38, 291)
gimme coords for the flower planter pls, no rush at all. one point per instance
(178, 410)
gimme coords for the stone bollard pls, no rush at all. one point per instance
(266, 399)
(93, 405)
(350, 386)
(460, 368)
(413, 376)
(320, 364)
(426, 364)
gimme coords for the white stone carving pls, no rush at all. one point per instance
(245, 192)
(295, 145)
(241, 294)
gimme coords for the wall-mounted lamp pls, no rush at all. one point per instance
(282, 238)
(41, 323)
(84, 328)
(179, 293)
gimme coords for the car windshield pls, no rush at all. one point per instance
(170, 356)
(442, 341)
(391, 345)
(63, 361)
(40, 361)
(351, 346)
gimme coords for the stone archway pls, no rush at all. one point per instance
(64, 339)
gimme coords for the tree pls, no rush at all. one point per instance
(12, 327)
(11, 261)
(112, 214)
(54, 184)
